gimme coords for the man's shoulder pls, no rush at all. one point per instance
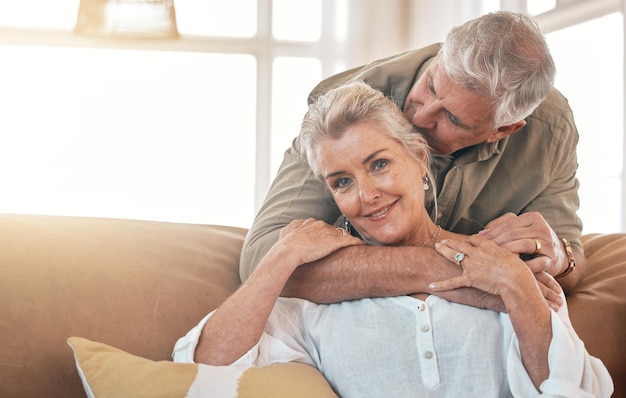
(554, 110)
(550, 129)
(392, 75)
(552, 124)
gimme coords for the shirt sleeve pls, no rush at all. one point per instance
(559, 201)
(185, 347)
(295, 194)
(573, 372)
(280, 342)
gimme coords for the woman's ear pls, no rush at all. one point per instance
(422, 156)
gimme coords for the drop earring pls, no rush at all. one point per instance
(426, 186)
(346, 225)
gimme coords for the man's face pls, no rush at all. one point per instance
(449, 116)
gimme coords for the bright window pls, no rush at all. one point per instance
(589, 58)
(293, 76)
(297, 20)
(232, 18)
(134, 134)
(193, 130)
(168, 134)
(59, 14)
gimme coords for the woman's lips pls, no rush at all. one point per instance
(381, 213)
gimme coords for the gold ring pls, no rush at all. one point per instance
(459, 257)
(537, 246)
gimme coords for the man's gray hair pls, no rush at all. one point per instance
(503, 56)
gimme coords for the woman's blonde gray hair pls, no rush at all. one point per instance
(355, 103)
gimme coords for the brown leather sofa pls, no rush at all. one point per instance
(140, 285)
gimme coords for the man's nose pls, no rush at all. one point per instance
(425, 116)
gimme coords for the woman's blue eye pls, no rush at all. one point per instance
(341, 183)
(379, 164)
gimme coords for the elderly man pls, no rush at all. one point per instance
(505, 167)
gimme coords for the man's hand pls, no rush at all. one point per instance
(530, 235)
(526, 233)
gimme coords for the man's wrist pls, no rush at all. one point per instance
(571, 261)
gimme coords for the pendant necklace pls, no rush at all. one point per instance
(433, 239)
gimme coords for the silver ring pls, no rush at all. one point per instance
(459, 257)
(343, 231)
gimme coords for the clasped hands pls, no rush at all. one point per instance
(500, 243)
(491, 258)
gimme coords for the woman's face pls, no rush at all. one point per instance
(376, 183)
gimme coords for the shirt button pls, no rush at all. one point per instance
(422, 307)
(428, 355)
(425, 328)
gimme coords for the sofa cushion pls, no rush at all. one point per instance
(109, 372)
(135, 285)
(597, 306)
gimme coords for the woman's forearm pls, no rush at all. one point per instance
(238, 323)
(531, 320)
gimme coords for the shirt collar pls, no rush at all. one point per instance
(481, 152)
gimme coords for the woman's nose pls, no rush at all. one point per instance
(369, 191)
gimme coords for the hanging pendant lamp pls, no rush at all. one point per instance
(154, 19)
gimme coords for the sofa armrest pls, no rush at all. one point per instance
(135, 285)
(597, 306)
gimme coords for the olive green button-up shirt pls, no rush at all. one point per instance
(533, 169)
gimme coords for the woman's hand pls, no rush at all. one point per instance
(305, 241)
(490, 268)
(530, 235)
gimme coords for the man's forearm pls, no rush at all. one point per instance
(369, 271)
(381, 271)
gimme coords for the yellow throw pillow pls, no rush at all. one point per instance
(110, 372)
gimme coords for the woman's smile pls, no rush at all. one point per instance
(382, 212)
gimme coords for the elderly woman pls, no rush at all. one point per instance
(368, 155)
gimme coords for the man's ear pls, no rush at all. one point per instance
(505, 131)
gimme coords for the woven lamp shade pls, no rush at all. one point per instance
(127, 19)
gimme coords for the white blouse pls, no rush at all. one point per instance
(405, 347)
